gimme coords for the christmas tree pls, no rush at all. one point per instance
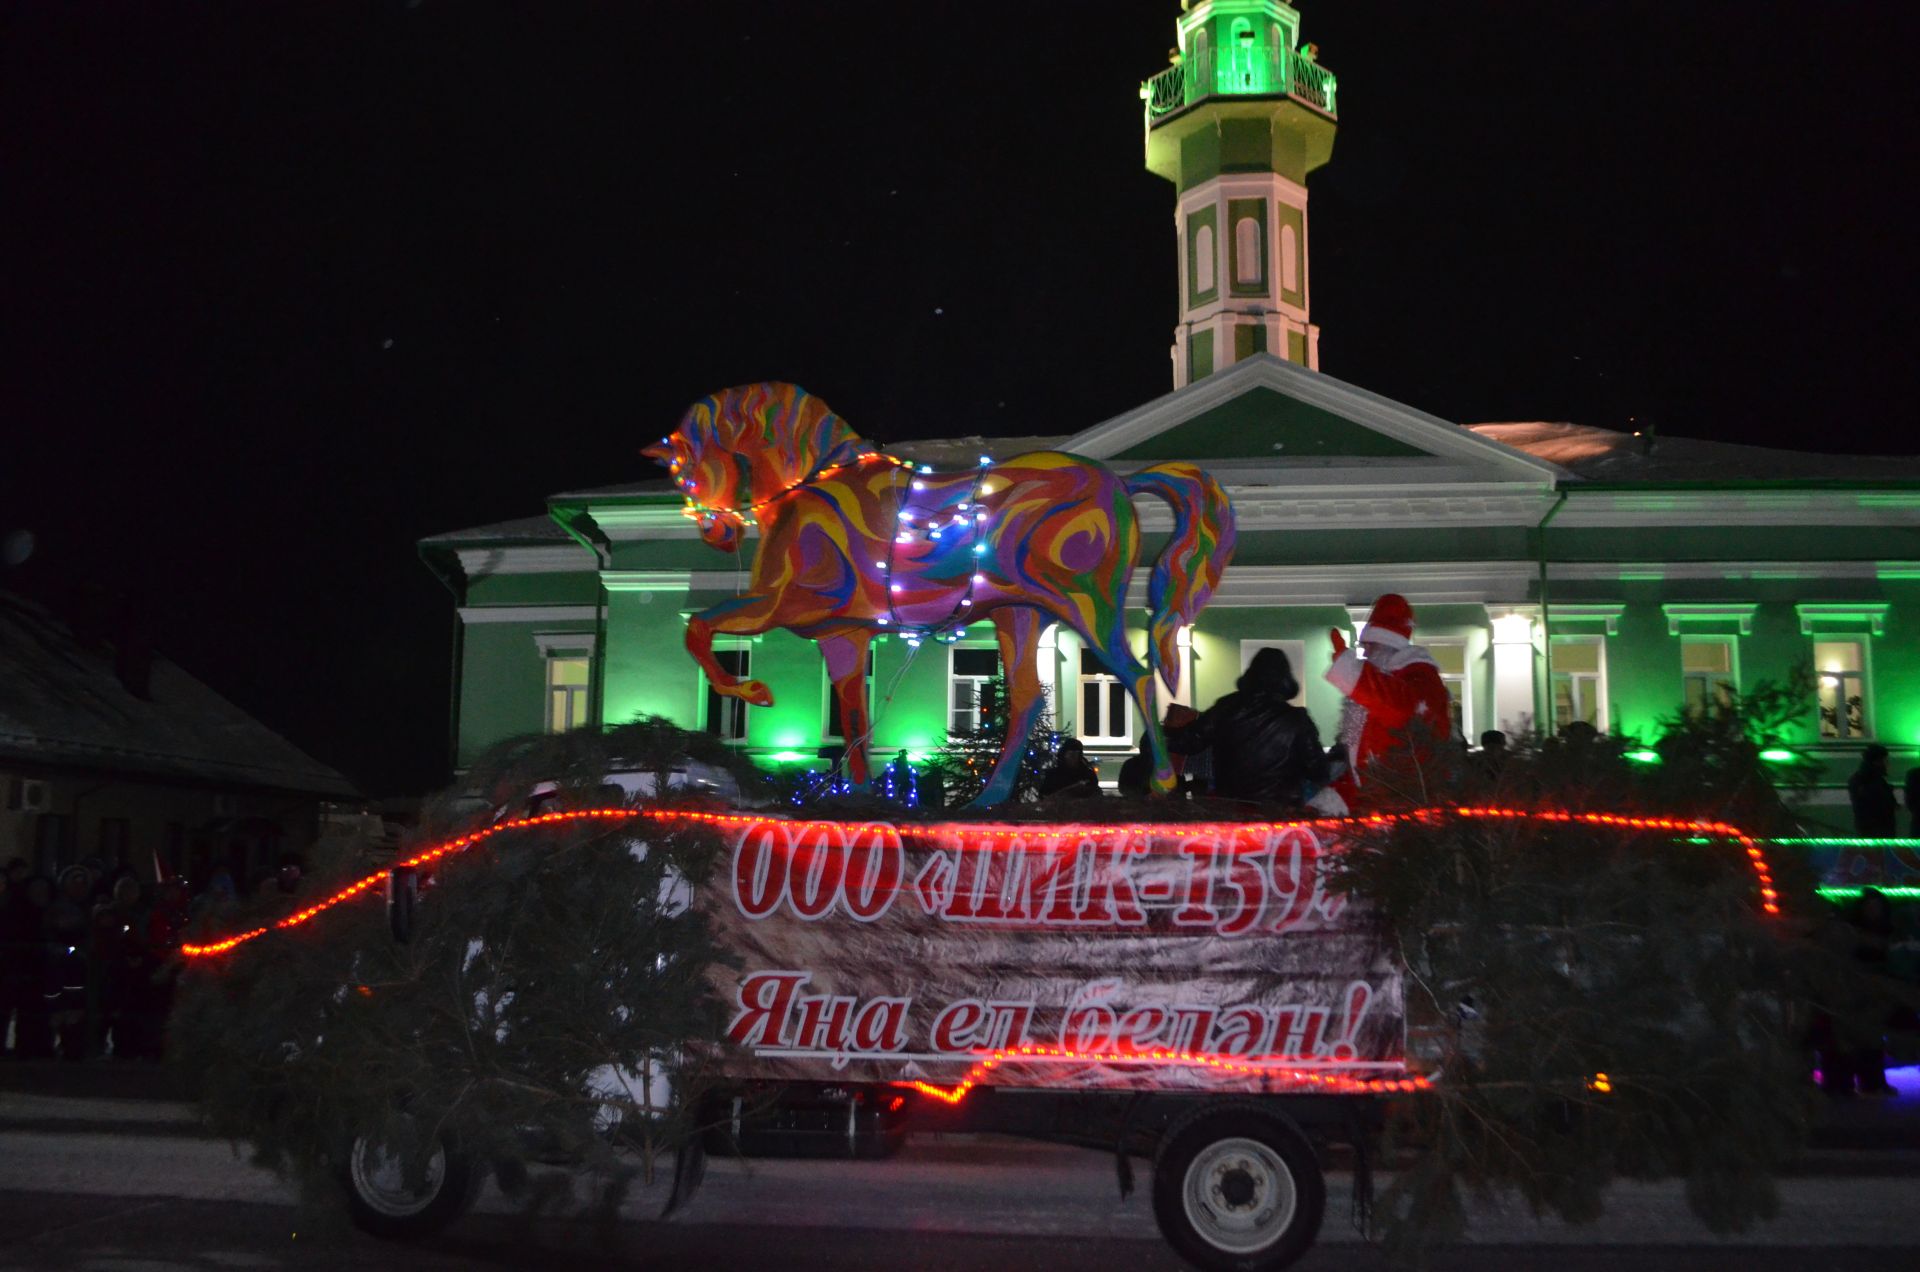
(966, 761)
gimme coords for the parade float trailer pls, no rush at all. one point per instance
(1200, 995)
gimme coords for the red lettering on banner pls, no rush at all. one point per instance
(1359, 997)
(1192, 1027)
(1139, 1029)
(881, 1025)
(1009, 1025)
(1301, 1029)
(764, 1000)
(1198, 911)
(1296, 875)
(971, 898)
(1249, 881)
(954, 1027)
(760, 869)
(1243, 1031)
(825, 1023)
(1110, 894)
(1088, 1024)
(934, 884)
(875, 864)
(819, 862)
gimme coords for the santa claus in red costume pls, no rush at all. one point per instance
(1389, 682)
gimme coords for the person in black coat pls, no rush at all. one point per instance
(1265, 749)
(1874, 811)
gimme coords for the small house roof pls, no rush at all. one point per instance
(62, 704)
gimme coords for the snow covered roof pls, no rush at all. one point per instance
(63, 704)
(1605, 455)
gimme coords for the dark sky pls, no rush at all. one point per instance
(288, 286)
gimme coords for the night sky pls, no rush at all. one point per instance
(289, 286)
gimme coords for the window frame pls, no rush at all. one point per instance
(1732, 679)
(1082, 678)
(710, 698)
(1463, 699)
(954, 677)
(828, 706)
(584, 690)
(1602, 716)
(1864, 674)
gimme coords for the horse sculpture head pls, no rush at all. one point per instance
(735, 450)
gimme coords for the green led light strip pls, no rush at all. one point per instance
(1844, 841)
(1834, 892)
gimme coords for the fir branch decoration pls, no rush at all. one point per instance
(541, 1011)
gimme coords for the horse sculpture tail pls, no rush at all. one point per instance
(1189, 567)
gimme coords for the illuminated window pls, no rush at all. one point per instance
(1707, 671)
(972, 670)
(1106, 712)
(1580, 681)
(835, 729)
(1248, 269)
(1841, 666)
(1453, 673)
(727, 717)
(1246, 76)
(567, 677)
(1203, 259)
(1289, 258)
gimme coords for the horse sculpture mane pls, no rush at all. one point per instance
(854, 544)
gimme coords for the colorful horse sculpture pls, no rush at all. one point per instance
(854, 543)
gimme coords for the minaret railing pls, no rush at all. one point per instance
(1293, 74)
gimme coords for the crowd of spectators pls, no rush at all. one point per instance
(89, 959)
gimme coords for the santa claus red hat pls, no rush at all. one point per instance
(1391, 622)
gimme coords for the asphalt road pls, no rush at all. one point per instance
(125, 1190)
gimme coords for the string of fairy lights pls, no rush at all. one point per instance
(966, 520)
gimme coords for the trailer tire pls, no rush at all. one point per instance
(382, 1204)
(1238, 1189)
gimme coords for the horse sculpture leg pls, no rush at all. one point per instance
(1138, 680)
(747, 615)
(846, 655)
(1018, 629)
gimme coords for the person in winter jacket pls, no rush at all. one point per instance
(1874, 812)
(1264, 748)
(1396, 683)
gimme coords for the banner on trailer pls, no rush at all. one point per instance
(1167, 955)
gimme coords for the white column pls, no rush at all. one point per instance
(1513, 652)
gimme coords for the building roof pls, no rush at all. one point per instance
(1605, 455)
(541, 529)
(63, 704)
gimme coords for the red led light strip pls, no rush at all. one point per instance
(1334, 1083)
(937, 831)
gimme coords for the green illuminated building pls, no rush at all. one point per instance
(1559, 572)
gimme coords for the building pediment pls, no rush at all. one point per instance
(1266, 421)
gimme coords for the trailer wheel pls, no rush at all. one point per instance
(383, 1203)
(1237, 1189)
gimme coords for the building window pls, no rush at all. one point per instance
(1106, 713)
(53, 845)
(1203, 260)
(1580, 681)
(971, 672)
(1841, 666)
(1249, 270)
(727, 717)
(1707, 671)
(1289, 259)
(835, 730)
(1453, 673)
(116, 840)
(567, 692)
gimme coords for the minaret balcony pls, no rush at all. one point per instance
(1251, 73)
